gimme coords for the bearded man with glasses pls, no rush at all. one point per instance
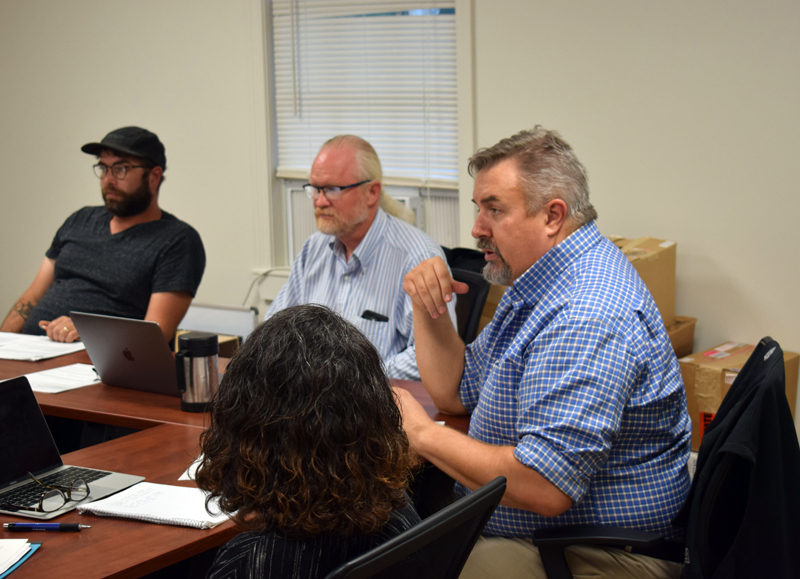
(128, 258)
(356, 262)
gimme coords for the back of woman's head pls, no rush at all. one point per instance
(305, 436)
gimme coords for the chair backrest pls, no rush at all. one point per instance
(465, 258)
(469, 306)
(467, 265)
(229, 320)
(743, 512)
(437, 548)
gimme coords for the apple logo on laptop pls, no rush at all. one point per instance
(128, 355)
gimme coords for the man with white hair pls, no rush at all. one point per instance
(356, 262)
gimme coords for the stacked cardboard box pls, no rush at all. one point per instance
(492, 300)
(681, 334)
(654, 260)
(708, 376)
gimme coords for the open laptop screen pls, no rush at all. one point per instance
(25, 440)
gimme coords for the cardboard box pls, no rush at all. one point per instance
(492, 301)
(708, 376)
(681, 331)
(654, 260)
(681, 334)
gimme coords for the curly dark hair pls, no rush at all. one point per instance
(306, 437)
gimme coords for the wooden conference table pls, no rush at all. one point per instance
(140, 410)
(167, 443)
(116, 547)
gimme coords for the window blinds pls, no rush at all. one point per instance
(380, 69)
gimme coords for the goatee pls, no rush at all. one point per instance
(498, 271)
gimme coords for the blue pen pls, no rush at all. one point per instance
(25, 527)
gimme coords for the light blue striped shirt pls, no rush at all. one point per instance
(372, 279)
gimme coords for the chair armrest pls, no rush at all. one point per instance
(596, 535)
(551, 543)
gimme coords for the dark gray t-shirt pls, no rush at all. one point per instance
(115, 275)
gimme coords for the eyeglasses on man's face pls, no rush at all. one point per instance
(332, 193)
(120, 171)
(53, 497)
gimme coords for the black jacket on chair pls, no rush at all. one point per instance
(743, 515)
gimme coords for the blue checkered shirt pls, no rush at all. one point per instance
(577, 372)
(372, 279)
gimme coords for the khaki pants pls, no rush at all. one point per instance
(503, 558)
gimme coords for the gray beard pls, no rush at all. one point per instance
(498, 274)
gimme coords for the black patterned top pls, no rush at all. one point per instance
(271, 555)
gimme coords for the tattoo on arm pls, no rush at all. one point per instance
(23, 309)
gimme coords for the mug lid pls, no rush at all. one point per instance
(199, 343)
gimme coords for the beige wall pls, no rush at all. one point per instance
(193, 72)
(684, 113)
(686, 116)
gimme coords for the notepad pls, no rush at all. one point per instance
(191, 471)
(159, 504)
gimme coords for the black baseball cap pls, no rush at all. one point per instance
(134, 141)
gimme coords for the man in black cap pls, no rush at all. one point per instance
(128, 258)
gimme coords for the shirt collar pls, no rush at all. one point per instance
(530, 286)
(368, 248)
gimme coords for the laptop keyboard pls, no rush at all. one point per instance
(29, 493)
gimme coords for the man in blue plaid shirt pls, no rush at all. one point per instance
(574, 390)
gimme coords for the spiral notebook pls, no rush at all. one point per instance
(159, 504)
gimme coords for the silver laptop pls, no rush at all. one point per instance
(26, 446)
(128, 353)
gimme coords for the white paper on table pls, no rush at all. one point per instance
(189, 473)
(64, 378)
(11, 551)
(34, 348)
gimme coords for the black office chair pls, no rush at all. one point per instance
(742, 514)
(467, 265)
(469, 306)
(464, 258)
(437, 548)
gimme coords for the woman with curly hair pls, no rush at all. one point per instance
(305, 449)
